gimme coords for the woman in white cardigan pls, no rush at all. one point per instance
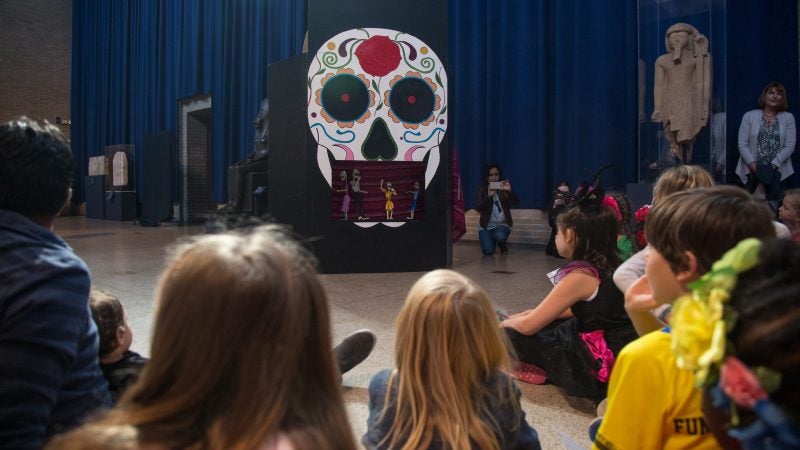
(767, 138)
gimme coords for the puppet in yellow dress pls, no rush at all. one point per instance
(389, 191)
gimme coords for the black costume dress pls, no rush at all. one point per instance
(578, 353)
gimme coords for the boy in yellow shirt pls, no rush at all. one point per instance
(651, 402)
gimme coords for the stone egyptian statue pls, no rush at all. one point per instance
(261, 141)
(682, 88)
(255, 162)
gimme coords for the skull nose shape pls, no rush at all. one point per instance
(379, 143)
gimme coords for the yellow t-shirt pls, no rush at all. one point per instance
(652, 404)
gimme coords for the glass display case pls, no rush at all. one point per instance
(681, 85)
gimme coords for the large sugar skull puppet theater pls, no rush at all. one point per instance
(378, 96)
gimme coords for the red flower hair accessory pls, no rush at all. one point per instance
(740, 384)
(641, 217)
(611, 203)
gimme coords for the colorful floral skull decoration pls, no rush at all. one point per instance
(377, 95)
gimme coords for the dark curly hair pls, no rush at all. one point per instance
(595, 226)
(767, 331)
(36, 168)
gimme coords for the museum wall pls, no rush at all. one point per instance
(35, 59)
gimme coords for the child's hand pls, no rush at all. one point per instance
(639, 296)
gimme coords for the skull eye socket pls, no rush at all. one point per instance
(412, 100)
(345, 98)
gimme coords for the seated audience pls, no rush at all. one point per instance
(648, 316)
(575, 333)
(49, 375)
(240, 354)
(450, 388)
(687, 231)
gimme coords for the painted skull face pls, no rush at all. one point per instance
(377, 95)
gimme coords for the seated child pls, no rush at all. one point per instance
(651, 402)
(575, 333)
(450, 388)
(758, 371)
(119, 364)
(240, 356)
(626, 243)
(674, 179)
(789, 213)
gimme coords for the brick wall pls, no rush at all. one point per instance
(530, 226)
(35, 59)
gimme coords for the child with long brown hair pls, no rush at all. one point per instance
(240, 355)
(449, 389)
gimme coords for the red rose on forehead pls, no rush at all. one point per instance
(378, 55)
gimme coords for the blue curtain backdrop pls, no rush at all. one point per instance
(546, 88)
(763, 48)
(132, 61)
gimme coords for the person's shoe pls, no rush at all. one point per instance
(593, 427)
(528, 373)
(503, 247)
(354, 349)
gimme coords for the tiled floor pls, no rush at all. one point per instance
(127, 259)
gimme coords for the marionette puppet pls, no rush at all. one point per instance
(345, 208)
(414, 197)
(389, 192)
(355, 185)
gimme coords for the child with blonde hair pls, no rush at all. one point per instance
(449, 388)
(648, 316)
(674, 179)
(240, 355)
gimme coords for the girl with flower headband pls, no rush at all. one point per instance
(738, 332)
(577, 330)
(687, 232)
(626, 244)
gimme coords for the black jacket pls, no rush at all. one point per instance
(485, 203)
